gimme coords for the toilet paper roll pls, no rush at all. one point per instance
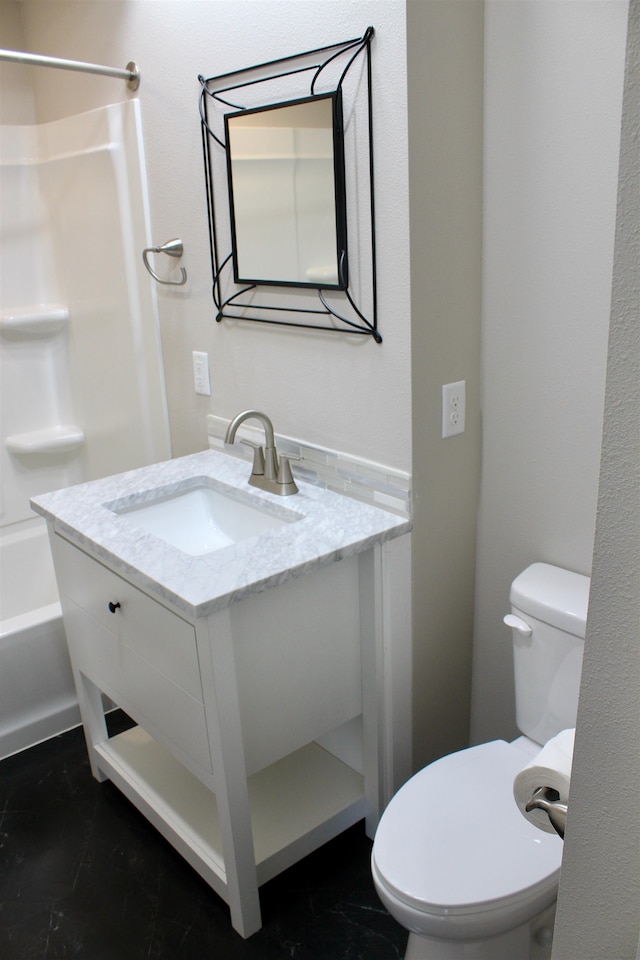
(550, 768)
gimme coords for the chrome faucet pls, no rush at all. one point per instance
(270, 472)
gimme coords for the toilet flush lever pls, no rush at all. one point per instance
(516, 623)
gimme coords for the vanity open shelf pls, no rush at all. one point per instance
(252, 673)
(297, 803)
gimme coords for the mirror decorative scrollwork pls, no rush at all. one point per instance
(289, 184)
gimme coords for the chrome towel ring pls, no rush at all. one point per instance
(174, 248)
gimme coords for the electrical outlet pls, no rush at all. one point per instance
(453, 408)
(201, 380)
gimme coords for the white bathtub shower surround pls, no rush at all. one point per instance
(79, 340)
(81, 378)
(268, 677)
(37, 694)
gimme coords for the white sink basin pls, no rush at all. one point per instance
(201, 519)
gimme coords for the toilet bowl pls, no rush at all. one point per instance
(453, 860)
(471, 875)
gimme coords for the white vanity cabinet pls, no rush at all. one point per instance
(271, 709)
(244, 716)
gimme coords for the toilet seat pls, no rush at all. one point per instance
(453, 846)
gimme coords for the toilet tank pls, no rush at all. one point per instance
(552, 603)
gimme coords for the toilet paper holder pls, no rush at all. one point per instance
(548, 799)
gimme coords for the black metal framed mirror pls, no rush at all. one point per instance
(286, 194)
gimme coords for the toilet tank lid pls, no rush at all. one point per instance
(556, 596)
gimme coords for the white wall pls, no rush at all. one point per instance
(16, 94)
(600, 919)
(445, 62)
(553, 94)
(341, 392)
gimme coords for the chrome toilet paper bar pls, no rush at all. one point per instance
(548, 799)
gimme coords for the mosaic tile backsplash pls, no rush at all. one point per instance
(364, 480)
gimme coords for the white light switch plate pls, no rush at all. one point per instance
(201, 379)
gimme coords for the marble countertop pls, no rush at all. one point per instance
(330, 526)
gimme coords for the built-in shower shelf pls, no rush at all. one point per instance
(59, 439)
(39, 321)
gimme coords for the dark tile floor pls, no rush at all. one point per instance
(83, 875)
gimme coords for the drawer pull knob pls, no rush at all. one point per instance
(113, 607)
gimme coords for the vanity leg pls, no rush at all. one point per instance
(385, 624)
(93, 721)
(218, 671)
(371, 639)
(89, 696)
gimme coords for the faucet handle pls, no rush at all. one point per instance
(285, 480)
(258, 461)
(258, 458)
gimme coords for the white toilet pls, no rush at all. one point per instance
(454, 860)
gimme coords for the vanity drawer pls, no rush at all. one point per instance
(163, 708)
(162, 639)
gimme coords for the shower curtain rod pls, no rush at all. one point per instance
(130, 73)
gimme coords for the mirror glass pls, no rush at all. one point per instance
(286, 189)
